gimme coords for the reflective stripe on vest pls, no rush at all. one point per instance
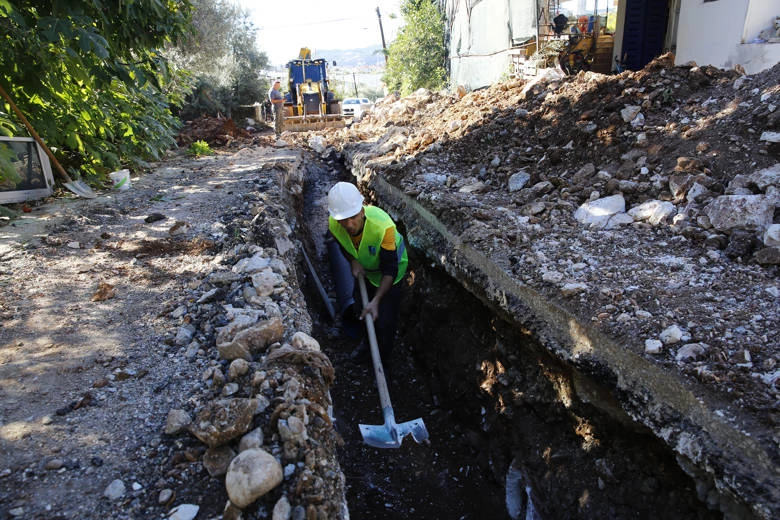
(367, 253)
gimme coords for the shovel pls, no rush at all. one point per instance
(390, 434)
(78, 187)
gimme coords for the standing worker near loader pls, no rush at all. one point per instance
(373, 248)
(277, 101)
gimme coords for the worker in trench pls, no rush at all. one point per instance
(363, 241)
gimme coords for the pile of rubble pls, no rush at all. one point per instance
(216, 131)
(643, 203)
(277, 393)
(264, 409)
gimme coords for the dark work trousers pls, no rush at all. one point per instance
(387, 323)
(350, 303)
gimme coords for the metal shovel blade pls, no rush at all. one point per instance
(81, 189)
(390, 434)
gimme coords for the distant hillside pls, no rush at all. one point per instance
(352, 57)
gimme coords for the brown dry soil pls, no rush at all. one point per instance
(89, 369)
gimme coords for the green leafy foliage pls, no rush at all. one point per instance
(8, 174)
(199, 148)
(91, 78)
(418, 56)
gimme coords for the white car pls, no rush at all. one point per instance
(355, 107)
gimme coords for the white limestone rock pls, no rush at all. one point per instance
(252, 474)
(653, 211)
(653, 346)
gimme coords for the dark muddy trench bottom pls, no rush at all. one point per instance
(507, 433)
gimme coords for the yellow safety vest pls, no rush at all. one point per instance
(367, 253)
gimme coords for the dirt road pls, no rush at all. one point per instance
(94, 294)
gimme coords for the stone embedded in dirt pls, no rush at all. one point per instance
(252, 474)
(691, 351)
(266, 281)
(653, 211)
(178, 421)
(253, 439)
(179, 228)
(230, 389)
(115, 490)
(209, 296)
(768, 256)
(282, 509)
(184, 335)
(772, 137)
(518, 180)
(222, 420)
(184, 512)
(165, 496)
(237, 368)
(54, 464)
(251, 341)
(571, 289)
(240, 319)
(673, 334)
(105, 291)
(154, 217)
(630, 112)
(216, 460)
(292, 430)
(729, 212)
(599, 213)
(653, 346)
(223, 277)
(771, 236)
(232, 512)
(304, 341)
(253, 264)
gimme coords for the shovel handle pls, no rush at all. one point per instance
(379, 372)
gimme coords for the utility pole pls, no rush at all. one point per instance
(382, 32)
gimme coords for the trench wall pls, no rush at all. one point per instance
(724, 460)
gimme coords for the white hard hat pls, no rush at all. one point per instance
(344, 201)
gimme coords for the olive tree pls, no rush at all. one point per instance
(222, 57)
(417, 57)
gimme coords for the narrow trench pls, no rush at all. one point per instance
(507, 422)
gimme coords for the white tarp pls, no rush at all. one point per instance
(481, 34)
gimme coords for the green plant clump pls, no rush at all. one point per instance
(200, 148)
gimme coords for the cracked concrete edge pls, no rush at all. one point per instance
(709, 448)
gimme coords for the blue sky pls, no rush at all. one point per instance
(286, 26)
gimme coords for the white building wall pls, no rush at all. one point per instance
(718, 34)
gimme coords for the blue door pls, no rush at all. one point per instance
(644, 32)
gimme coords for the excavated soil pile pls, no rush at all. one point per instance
(701, 125)
(643, 204)
(216, 131)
